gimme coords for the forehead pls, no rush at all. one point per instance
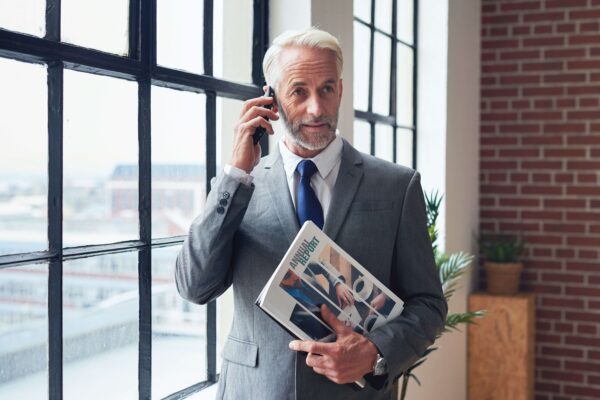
(300, 63)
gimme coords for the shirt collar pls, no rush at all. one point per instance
(325, 160)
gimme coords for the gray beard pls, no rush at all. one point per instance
(312, 142)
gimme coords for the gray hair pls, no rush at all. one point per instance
(312, 38)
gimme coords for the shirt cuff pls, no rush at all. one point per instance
(238, 174)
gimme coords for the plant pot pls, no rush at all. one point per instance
(503, 278)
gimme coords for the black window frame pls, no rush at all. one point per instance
(369, 115)
(138, 65)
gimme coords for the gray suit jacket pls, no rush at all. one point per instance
(377, 215)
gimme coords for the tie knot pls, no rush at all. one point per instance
(306, 169)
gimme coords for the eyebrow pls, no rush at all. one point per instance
(302, 83)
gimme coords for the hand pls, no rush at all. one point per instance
(246, 154)
(346, 360)
(344, 295)
(379, 301)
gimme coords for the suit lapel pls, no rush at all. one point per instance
(279, 191)
(344, 190)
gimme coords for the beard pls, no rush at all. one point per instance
(310, 141)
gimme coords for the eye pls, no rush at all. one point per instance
(298, 92)
(328, 89)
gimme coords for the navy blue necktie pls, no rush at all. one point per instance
(308, 207)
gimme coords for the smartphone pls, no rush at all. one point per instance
(260, 131)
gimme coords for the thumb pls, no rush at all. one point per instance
(337, 325)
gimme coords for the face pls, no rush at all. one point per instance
(309, 96)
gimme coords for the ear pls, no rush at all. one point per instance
(341, 87)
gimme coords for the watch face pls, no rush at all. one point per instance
(380, 367)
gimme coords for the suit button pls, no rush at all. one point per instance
(225, 195)
(223, 202)
(220, 210)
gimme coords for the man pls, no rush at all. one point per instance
(373, 209)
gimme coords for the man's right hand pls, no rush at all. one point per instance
(246, 154)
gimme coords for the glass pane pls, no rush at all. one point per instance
(100, 327)
(23, 157)
(404, 15)
(362, 51)
(228, 114)
(383, 15)
(24, 16)
(404, 95)
(362, 136)
(101, 25)
(362, 10)
(180, 34)
(100, 160)
(232, 48)
(384, 142)
(178, 160)
(178, 330)
(381, 74)
(24, 332)
(404, 147)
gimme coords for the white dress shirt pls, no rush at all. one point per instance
(327, 161)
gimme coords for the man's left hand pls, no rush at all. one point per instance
(346, 360)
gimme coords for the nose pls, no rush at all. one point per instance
(314, 106)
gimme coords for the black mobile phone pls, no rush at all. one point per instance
(260, 131)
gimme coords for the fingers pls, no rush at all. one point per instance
(247, 128)
(310, 346)
(258, 102)
(252, 112)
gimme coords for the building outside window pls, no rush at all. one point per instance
(110, 134)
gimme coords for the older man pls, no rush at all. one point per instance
(371, 208)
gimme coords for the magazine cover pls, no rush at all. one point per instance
(316, 271)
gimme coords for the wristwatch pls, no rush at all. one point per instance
(380, 366)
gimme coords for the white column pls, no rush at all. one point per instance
(449, 161)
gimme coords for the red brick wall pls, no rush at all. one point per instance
(540, 163)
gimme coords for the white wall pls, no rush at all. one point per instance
(448, 159)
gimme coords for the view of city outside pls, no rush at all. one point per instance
(100, 201)
(100, 294)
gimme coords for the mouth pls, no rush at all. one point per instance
(316, 126)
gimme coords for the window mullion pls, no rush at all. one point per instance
(55, 228)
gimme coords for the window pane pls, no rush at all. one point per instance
(404, 147)
(178, 160)
(383, 15)
(178, 330)
(384, 142)
(100, 327)
(101, 25)
(362, 36)
(362, 9)
(179, 34)
(24, 332)
(232, 49)
(404, 95)
(23, 157)
(100, 160)
(24, 16)
(404, 21)
(381, 74)
(362, 136)
(228, 114)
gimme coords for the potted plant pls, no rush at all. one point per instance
(502, 263)
(450, 268)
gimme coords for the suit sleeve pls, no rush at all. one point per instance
(203, 266)
(403, 340)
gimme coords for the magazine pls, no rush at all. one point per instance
(316, 271)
